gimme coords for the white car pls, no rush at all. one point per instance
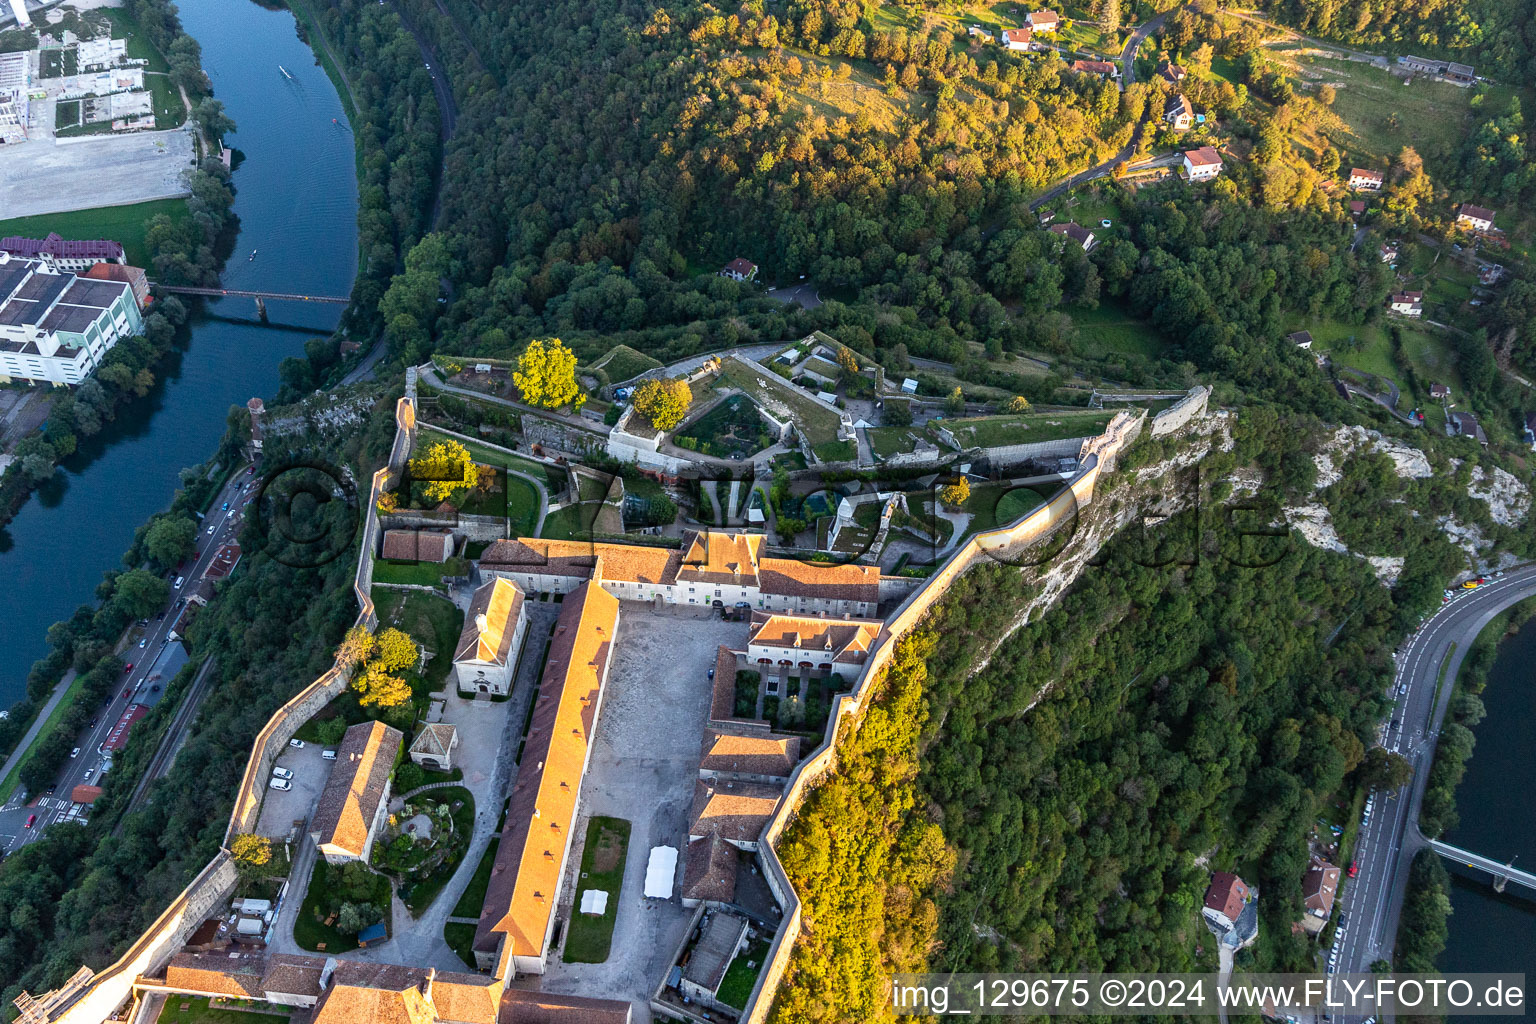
(215, 526)
(328, 754)
(282, 784)
(296, 744)
(281, 773)
(75, 752)
(179, 581)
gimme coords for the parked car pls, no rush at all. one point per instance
(280, 772)
(75, 752)
(282, 784)
(128, 693)
(1354, 868)
(297, 744)
(328, 754)
(179, 581)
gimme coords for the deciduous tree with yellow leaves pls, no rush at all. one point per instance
(663, 402)
(546, 374)
(444, 467)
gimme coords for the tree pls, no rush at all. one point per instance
(1326, 94)
(394, 650)
(354, 917)
(955, 403)
(355, 648)
(387, 503)
(1384, 770)
(141, 593)
(445, 467)
(378, 689)
(663, 402)
(896, 413)
(329, 731)
(171, 539)
(847, 362)
(1016, 404)
(251, 851)
(546, 374)
(409, 776)
(956, 494)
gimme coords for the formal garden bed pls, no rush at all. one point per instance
(423, 842)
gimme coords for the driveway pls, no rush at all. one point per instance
(644, 765)
(280, 810)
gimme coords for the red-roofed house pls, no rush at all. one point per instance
(1079, 234)
(1225, 898)
(1407, 303)
(1202, 164)
(1102, 68)
(1043, 21)
(1018, 38)
(739, 270)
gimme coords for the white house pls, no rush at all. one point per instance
(1202, 164)
(1018, 39)
(1474, 218)
(1363, 180)
(493, 635)
(1043, 21)
(1178, 112)
(1407, 303)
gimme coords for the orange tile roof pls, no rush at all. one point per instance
(631, 563)
(520, 897)
(717, 557)
(732, 810)
(750, 753)
(723, 701)
(467, 998)
(417, 545)
(792, 578)
(369, 993)
(522, 1007)
(501, 602)
(350, 800)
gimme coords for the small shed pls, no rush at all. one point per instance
(372, 934)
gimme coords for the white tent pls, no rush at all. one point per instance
(594, 901)
(660, 872)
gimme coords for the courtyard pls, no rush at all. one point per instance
(644, 764)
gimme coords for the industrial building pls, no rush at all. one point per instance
(57, 327)
(15, 79)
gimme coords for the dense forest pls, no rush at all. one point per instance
(1174, 713)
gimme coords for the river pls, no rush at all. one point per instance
(1497, 805)
(296, 197)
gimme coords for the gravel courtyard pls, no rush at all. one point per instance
(643, 767)
(43, 177)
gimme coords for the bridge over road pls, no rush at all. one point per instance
(1502, 873)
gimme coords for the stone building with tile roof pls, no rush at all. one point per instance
(748, 755)
(709, 872)
(711, 566)
(356, 796)
(736, 812)
(808, 644)
(494, 626)
(518, 917)
(433, 747)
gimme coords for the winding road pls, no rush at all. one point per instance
(1385, 848)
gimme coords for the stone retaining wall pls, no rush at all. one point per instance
(1181, 412)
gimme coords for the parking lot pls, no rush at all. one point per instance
(42, 177)
(279, 810)
(643, 767)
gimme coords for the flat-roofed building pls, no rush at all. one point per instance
(356, 796)
(518, 917)
(56, 327)
(494, 628)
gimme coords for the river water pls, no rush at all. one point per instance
(296, 196)
(1497, 804)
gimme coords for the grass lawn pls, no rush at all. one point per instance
(327, 891)
(197, 1011)
(1431, 357)
(125, 224)
(622, 363)
(995, 431)
(522, 507)
(1378, 114)
(581, 521)
(994, 505)
(8, 786)
(836, 451)
(432, 620)
(888, 441)
(461, 939)
(1109, 328)
(602, 867)
(816, 422)
(732, 429)
(473, 898)
(424, 574)
(736, 987)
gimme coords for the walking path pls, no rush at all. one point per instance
(37, 724)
